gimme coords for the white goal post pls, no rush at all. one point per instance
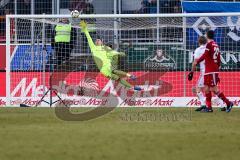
(158, 50)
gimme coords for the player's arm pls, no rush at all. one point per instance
(195, 63)
(91, 44)
(116, 53)
(202, 57)
(121, 54)
(219, 60)
(190, 74)
(196, 57)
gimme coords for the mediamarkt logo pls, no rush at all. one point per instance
(88, 86)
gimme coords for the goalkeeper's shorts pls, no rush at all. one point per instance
(107, 72)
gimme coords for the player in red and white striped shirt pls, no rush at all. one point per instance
(211, 57)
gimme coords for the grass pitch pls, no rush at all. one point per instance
(125, 133)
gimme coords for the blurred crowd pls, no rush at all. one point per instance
(165, 6)
(40, 7)
(84, 7)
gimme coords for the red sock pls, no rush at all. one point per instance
(208, 100)
(222, 96)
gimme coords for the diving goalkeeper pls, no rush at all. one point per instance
(104, 58)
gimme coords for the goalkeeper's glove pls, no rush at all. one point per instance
(83, 24)
(190, 75)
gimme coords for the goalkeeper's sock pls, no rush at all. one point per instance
(208, 100)
(201, 98)
(125, 83)
(120, 73)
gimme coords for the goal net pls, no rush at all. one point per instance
(158, 50)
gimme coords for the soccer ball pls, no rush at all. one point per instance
(75, 13)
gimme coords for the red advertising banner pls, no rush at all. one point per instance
(155, 84)
(2, 57)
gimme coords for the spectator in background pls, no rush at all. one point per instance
(89, 9)
(165, 6)
(79, 5)
(153, 6)
(43, 6)
(4, 11)
(63, 40)
(24, 7)
(177, 7)
(170, 6)
(144, 7)
(65, 4)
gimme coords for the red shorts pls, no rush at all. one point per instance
(211, 80)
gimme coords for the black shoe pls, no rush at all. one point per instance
(200, 108)
(223, 109)
(229, 107)
(207, 110)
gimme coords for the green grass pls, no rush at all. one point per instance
(125, 133)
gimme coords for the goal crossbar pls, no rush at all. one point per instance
(129, 15)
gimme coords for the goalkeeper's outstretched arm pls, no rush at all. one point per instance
(115, 53)
(91, 44)
(112, 53)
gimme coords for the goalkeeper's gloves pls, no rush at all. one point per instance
(190, 75)
(83, 24)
